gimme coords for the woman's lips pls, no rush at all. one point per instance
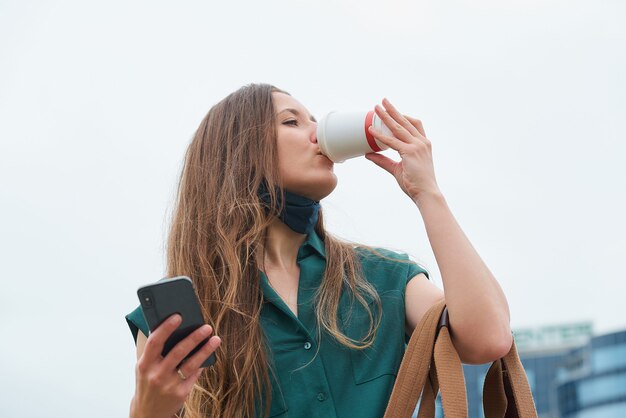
(326, 158)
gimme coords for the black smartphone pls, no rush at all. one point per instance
(166, 297)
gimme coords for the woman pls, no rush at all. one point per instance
(305, 325)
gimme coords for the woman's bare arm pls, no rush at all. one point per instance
(478, 309)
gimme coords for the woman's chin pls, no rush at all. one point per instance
(328, 188)
(320, 191)
(314, 187)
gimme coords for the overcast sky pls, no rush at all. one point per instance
(524, 102)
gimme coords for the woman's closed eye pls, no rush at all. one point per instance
(292, 122)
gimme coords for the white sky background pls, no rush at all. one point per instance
(524, 102)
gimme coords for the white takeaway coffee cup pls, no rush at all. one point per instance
(343, 135)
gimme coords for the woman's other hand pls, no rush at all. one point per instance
(161, 389)
(415, 171)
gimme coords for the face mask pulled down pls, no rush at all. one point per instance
(298, 212)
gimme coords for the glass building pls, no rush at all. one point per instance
(592, 383)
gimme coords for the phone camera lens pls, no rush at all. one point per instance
(147, 300)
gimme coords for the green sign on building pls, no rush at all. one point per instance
(553, 336)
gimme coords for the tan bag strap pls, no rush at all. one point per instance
(506, 393)
(429, 395)
(414, 366)
(494, 396)
(518, 383)
(451, 378)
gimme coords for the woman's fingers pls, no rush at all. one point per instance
(156, 340)
(391, 141)
(400, 118)
(404, 127)
(185, 346)
(192, 364)
(383, 162)
(418, 125)
(161, 390)
(396, 128)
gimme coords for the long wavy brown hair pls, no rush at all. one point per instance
(217, 233)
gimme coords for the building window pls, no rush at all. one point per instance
(601, 389)
(616, 410)
(609, 358)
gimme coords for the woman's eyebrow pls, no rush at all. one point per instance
(296, 112)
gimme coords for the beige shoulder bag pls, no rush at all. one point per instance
(431, 364)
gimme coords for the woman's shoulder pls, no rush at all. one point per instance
(373, 253)
(379, 261)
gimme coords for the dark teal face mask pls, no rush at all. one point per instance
(299, 213)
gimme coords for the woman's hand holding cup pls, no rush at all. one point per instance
(415, 171)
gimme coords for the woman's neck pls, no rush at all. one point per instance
(281, 246)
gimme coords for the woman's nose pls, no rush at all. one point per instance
(313, 137)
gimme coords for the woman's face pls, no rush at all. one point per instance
(303, 168)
